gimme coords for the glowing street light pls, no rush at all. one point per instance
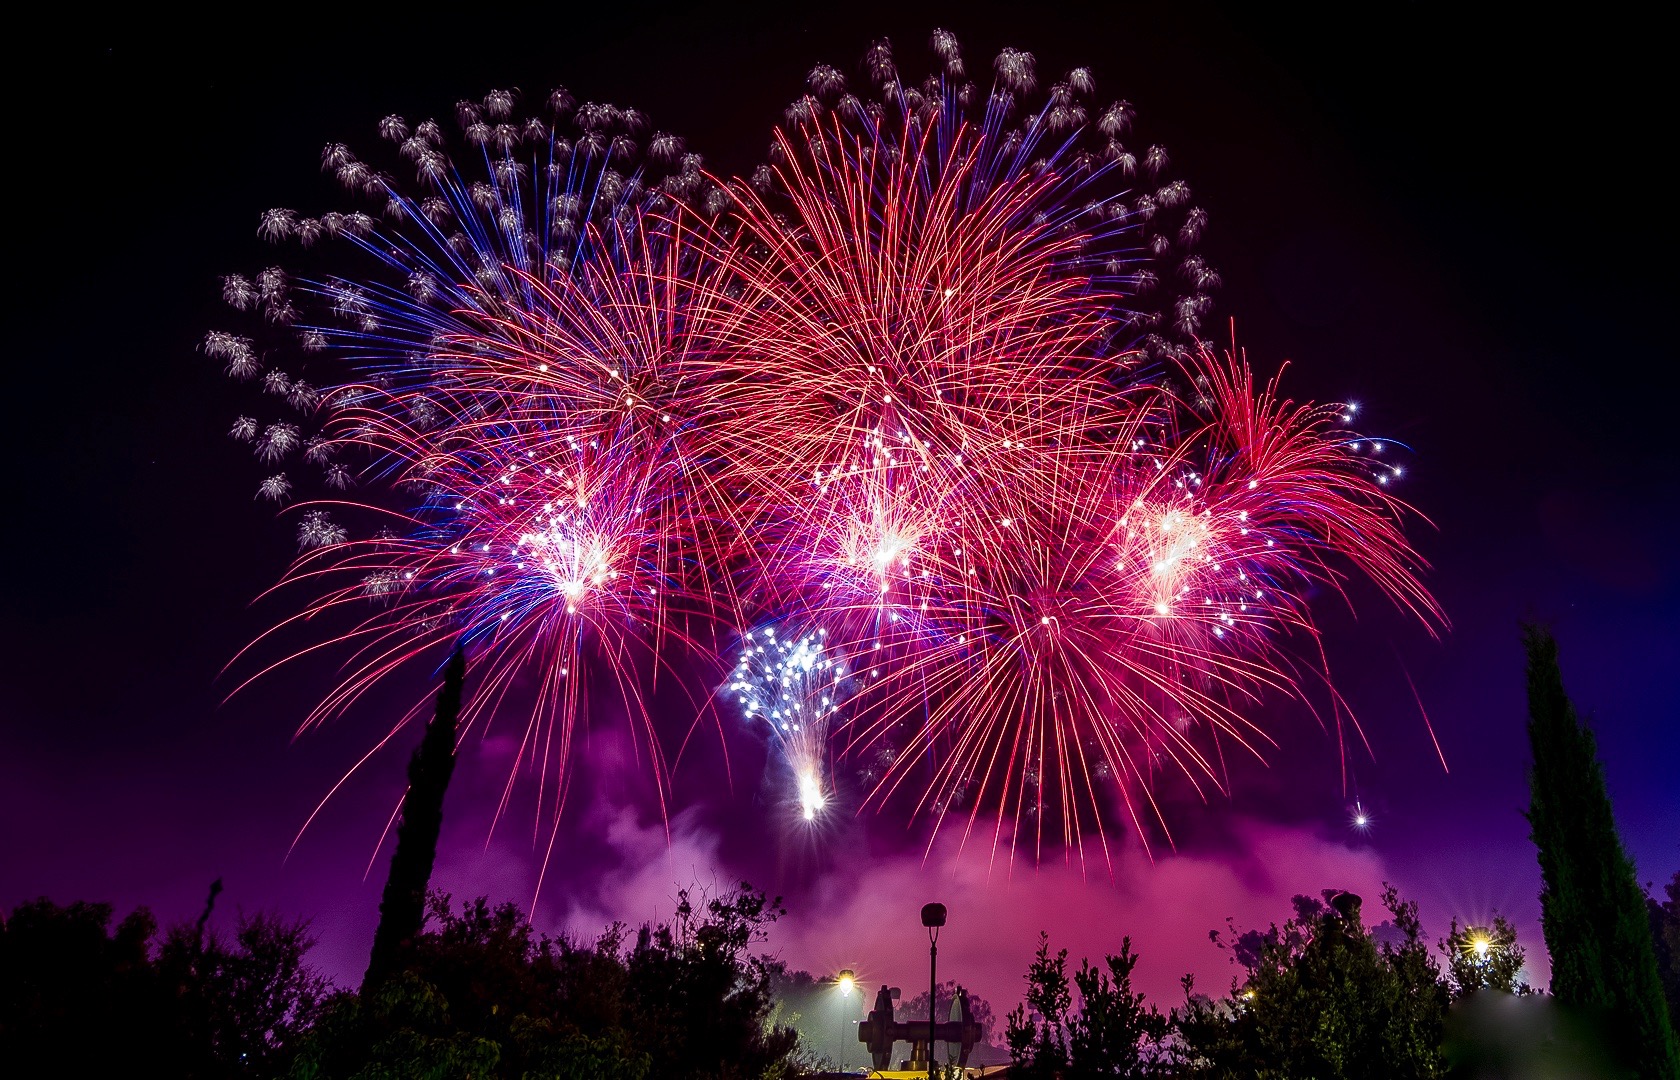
(844, 982)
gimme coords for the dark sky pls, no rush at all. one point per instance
(1453, 219)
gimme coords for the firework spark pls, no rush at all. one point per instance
(1131, 637)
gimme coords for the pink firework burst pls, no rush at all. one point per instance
(921, 406)
(1060, 578)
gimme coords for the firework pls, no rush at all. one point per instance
(793, 686)
(922, 402)
(935, 313)
(945, 340)
(1134, 639)
(499, 350)
(923, 294)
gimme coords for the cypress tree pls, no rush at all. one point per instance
(1591, 907)
(1665, 935)
(402, 908)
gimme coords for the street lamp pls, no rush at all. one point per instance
(933, 917)
(845, 981)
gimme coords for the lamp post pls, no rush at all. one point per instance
(933, 917)
(845, 981)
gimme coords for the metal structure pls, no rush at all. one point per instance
(880, 1031)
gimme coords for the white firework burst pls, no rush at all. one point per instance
(276, 441)
(238, 292)
(277, 224)
(794, 685)
(275, 488)
(318, 530)
(1016, 70)
(338, 476)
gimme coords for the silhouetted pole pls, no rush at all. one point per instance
(209, 906)
(933, 917)
(402, 908)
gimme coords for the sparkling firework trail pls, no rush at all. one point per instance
(793, 686)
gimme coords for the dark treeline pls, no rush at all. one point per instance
(1328, 993)
(479, 995)
(80, 997)
(473, 991)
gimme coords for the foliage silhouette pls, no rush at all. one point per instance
(1114, 1033)
(402, 908)
(1591, 907)
(1484, 957)
(1665, 936)
(81, 998)
(1036, 1030)
(1322, 998)
(483, 995)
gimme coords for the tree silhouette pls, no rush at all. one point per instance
(1116, 1034)
(1665, 935)
(80, 997)
(77, 991)
(1591, 907)
(1322, 998)
(402, 908)
(481, 994)
(1036, 1030)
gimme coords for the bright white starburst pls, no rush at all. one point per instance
(793, 684)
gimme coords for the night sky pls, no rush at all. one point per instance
(1455, 221)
